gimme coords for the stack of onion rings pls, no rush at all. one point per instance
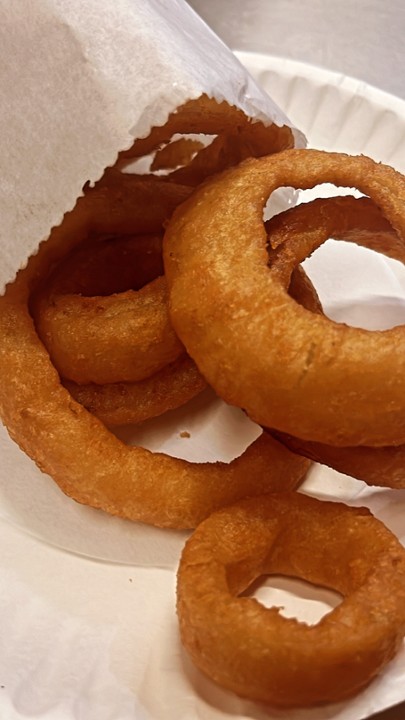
(329, 391)
(244, 309)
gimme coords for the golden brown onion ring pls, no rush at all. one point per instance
(256, 652)
(86, 460)
(289, 368)
(98, 267)
(297, 232)
(171, 387)
(124, 403)
(238, 137)
(126, 336)
(382, 466)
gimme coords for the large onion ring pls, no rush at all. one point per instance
(358, 221)
(86, 460)
(255, 651)
(287, 367)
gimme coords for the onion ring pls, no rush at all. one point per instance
(126, 336)
(297, 232)
(364, 225)
(84, 458)
(288, 368)
(173, 386)
(380, 466)
(256, 652)
(125, 403)
(237, 138)
(106, 339)
(98, 267)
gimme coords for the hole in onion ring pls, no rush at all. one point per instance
(341, 269)
(218, 431)
(280, 200)
(328, 270)
(296, 598)
(151, 163)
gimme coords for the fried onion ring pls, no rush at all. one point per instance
(358, 221)
(237, 137)
(173, 386)
(289, 368)
(84, 458)
(124, 403)
(123, 337)
(256, 652)
(297, 232)
(106, 339)
(99, 268)
(380, 466)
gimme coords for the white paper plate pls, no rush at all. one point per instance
(87, 601)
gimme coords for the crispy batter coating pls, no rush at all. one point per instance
(291, 233)
(90, 334)
(122, 337)
(255, 651)
(124, 403)
(381, 466)
(85, 459)
(289, 368)
(236, 137)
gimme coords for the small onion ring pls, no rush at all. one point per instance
(125, 403)
(287, 367)
(256, 652)
(101, 267)
(174, 385)
(237, 137)
(122, 337)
